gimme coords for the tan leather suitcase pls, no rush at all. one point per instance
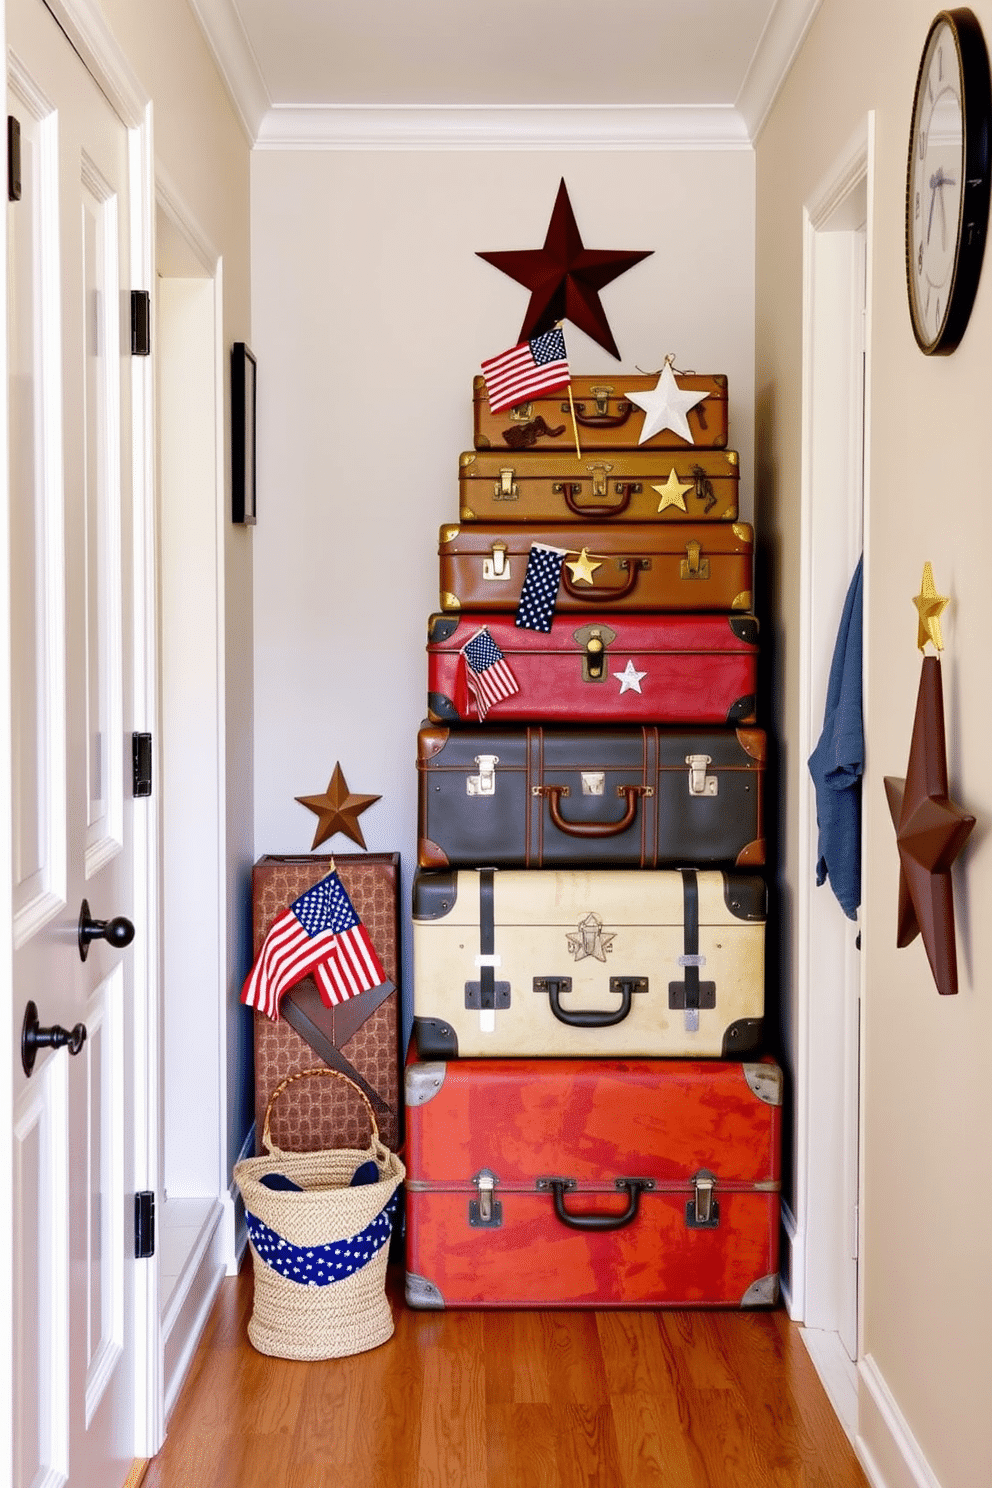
(683, 566)
(554, 485)
(360, 1037)
(606, 419)
(601, 964)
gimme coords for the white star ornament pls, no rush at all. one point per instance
(629, 678)
(665, 406)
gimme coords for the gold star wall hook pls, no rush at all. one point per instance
(930, 606)
(337, 810)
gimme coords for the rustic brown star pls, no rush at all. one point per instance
(338, 810)
(930, 832)
(565, 278)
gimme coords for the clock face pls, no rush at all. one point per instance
(936, 186)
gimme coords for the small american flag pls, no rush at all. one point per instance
(320, 934)
(535, 366)
(487, 672)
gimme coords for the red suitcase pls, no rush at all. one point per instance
(592, 1183)
(693, 669)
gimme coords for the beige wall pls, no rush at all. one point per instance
(371, 314)
(202, 156)
(927, 1282)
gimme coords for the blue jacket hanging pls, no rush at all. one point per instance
(837, 763)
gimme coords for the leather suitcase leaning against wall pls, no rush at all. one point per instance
(606, 419)
(518, 797)
(592, 1183)
(602, 964)
(691, 669)
(359, 1037)
(655, 566)
(634, 486)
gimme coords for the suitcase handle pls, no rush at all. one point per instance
(571, 489)
(599, 592)
(597, 1221)
(591, 1018)
(554, 794)
(601, 420)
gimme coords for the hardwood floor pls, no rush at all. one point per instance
(511, 1400)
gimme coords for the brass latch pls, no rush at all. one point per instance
(522, 413)
(701, 784)
(602, 397)
(593, 782)
(506, 487)
(498, 566)
(692, 565)
(483, 784)
(599, 473)
(702, 1212)
(485, 1212)
(594, 640)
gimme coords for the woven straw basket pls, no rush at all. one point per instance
(329, 1231)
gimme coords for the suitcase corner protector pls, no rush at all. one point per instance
(423, 1293)
(761, 1293)
(424, 1081)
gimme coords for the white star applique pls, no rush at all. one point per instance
(665, 406)
(629, 679)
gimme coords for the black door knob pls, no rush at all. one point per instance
(34, 1037)
(118, 932)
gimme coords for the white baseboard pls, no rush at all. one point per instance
(189, 1305)
(793, 1266)
(888, 1450)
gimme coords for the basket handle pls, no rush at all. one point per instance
(321, 1071)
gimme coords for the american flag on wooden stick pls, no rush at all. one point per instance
(319, 935)
(536, 366)
(487, 672)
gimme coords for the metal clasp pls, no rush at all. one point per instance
(483, 784)
(701, 784)
(692, 565)
(593, 782)
(602, 397)
(600, 471)
(485, 1212)
(522, 413)
(506, 488)
(594, 640)
(498, 566)
(702, 1212)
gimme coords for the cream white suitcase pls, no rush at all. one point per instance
(605, 963)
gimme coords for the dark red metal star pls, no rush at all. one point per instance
(565, 278)
(930, 832)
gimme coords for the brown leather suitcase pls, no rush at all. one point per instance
(555, 485)
(651, 566)
(624, 797)
(606, 419)
(360, 1037)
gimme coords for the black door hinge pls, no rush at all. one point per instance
(13, 158)
(144, 1225)
(141, 761)
(141, 322)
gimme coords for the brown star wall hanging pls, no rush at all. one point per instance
(930, 829)
(337, 810)
(564, 277)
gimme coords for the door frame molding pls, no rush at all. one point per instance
(824, 1232)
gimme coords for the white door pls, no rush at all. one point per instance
(70, 473)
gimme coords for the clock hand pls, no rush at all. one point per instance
(933, 199)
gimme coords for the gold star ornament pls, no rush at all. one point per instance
(672, 493)
(582, 568)
(931, 606)
(337, 810)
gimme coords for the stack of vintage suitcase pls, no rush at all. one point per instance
(591, 1120)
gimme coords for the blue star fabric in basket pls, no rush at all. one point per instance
(319, 1265)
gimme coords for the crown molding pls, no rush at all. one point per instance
(236, 62)
(506, 128)
(773, 57)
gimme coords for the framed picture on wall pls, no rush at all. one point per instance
(243, 393)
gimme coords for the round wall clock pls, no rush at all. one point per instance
(947, 184)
